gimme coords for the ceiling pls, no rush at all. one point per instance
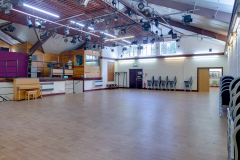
(70, 10)
(222, 5)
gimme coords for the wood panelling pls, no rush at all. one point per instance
(81, 71)
(47, 57)
(4, 44)
(203, 80)
(20, 48)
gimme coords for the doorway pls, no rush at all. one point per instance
(110, 71)
(208, 77)
(135, 78)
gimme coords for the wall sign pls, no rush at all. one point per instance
(135, 65)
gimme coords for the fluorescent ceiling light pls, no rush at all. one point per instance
(144, 60)
(126, 41)
(127, 60)
(203, 53)
(82, 25)
(109, 35)
(53, 22)
(175, 58)
(119, 38)
(41, 10)
(199, 57)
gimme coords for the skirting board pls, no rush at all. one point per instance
(172, 90)
(54, 94)
(94, 90)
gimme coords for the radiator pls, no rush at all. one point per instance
(98, 83)
(47, 86)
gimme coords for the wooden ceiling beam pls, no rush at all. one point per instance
(38, 44)
(15, 38)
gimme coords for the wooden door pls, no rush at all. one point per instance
(110, 71)
(203, 80)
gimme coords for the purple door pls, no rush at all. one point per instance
(136, 76)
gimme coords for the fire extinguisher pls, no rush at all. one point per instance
(144, 85)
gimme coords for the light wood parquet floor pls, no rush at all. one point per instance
(114, 125)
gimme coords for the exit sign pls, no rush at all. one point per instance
(135, 65)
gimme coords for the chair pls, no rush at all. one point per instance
(172, 84)
(233, 84)
(236, 121)
(236, 111)
(150, 83)
(164, 84)
(29, 93)
(236, 141)
(157, 84)
(188, 84)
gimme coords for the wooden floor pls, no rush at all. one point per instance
(114, 125)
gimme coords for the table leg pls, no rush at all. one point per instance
(19, 95)
(41, 92)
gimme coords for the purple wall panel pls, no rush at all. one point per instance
(12, 64)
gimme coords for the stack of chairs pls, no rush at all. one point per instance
(188, 84)
(150, 83)
(172, 84)
(224, 93)
(233, 113)
(157, 83)
(164, 84)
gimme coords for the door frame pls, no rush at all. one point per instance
(130, 77)
(208, 69)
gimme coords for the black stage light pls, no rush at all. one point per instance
(74, 40)
(174, 36)
(141, 6)
(187, 19)
(29, 23)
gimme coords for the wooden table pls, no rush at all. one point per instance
(28, 87)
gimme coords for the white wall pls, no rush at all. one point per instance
(182, 68)
(6, 90)
(233, 56)
(193, 45)
(189, 45)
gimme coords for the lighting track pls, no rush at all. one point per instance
(54, 22)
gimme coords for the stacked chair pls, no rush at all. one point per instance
(188, 84)
(150, 83)
(230, 90)
(224, 92)
(164, 84)
(172, 84)
(157, 83)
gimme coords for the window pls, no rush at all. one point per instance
(134, 50)
(131, 51)
(79, 60)
(127, 52)
(148, 49)
(168, 48)
(92, 60)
